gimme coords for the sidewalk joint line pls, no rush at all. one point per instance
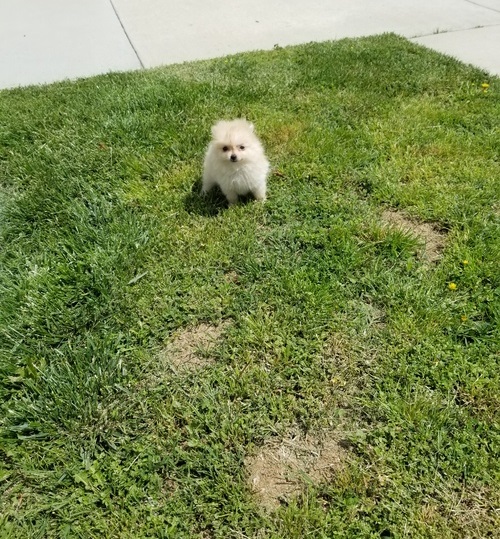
(126, 34)
(481, 5)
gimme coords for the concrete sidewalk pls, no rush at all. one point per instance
(57, 39)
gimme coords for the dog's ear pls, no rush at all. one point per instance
(218, 128)
(244, 122)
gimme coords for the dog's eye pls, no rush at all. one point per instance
(242, 147)
(225, 149)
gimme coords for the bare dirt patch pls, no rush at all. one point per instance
(282, 469)
(471, 513)
(434, 240)
(190, 347)
(232, 277)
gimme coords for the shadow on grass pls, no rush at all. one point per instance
(208, 205)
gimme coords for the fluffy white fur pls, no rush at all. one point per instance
(235, 161)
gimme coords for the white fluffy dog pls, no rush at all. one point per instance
(235, 161)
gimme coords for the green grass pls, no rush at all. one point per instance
(337, 324)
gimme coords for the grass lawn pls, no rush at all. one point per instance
(323, 365)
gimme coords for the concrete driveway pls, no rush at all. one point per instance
(50, 40)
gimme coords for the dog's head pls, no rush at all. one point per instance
(235, 140)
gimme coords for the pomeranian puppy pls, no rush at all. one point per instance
(235, 161)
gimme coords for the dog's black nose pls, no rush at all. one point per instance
(233, 157)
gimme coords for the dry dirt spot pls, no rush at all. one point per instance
(281, 469)
(433, 240)
(232, 277)
(190, 347)
(473, 512)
